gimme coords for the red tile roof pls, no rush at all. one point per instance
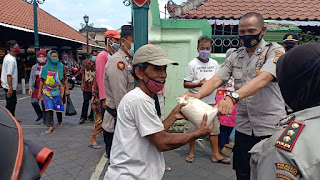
(270, 9)
(20, 14)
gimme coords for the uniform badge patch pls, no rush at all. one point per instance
(282, 176)
(286, 167)
(261, 57)
(290, 135)
(121, 66)
(224, 63)
(277, 56)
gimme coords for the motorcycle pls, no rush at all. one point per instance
(74, 77)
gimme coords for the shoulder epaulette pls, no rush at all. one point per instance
(290, 135)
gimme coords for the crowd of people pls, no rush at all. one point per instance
(252, 90)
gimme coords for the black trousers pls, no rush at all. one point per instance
(241, 157)
(41, 113)
(223, 137)
(49, 118)
(85, 106)
(107, 137)
(11, 102)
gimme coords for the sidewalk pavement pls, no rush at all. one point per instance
(73, 159)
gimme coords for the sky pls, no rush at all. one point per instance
(111, 14)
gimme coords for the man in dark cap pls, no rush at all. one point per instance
(117, 81)
(293, 153)
(290, 41)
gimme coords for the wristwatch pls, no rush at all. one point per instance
(235, 96)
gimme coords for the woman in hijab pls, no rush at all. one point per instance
(52, 88)
(34, 84)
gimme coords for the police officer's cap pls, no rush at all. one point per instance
(126, 30)
(291, 37)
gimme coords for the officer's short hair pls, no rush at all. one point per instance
(204, 39)
(255, 14)
(142, 66)
(10, 44)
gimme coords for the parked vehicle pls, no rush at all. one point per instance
(74, 78)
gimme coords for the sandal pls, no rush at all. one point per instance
(225, 152)
(191, 159)
(222, 161)
(167, 168)
(94, 146)
(229, 146)
(59, 124)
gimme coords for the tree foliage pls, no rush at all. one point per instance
(308, 36)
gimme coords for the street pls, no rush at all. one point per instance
(73, 159)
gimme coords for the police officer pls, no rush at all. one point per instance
(260, 103)
(290, 41)
(117, 81)
(293, 153)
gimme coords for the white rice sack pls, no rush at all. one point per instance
(195, 109)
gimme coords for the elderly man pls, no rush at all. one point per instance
(260, 104)
(140, 136)
(293, 153)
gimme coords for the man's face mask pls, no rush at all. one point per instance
(131, 50)
(154, 85)
(114, 46)
(250, 41)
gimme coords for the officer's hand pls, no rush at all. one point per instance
(104, 104)
(30, 91)
(203, 128)
(176, 112)
(225, 106)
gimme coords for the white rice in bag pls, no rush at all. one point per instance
(195, 109)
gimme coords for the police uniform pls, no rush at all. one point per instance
(117, 81)
(292, 153)
(257, 114)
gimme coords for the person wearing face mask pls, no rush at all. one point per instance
(112, 42)
(9, 75)
(257, 94)
(290, 41)
(52, 88)
(34, 84)
(117, 81)
(141, 137)
(88, 74)
(199, 70)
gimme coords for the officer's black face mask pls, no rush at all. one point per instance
(288, 47)
(251, 40)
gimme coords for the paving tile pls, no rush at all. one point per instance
(191, 176)
(201, 172)
(61, 175)
(46, 178)
(75, 171)
(69, 165)
(233, 178)
(54, 170)
(62, 160)
(226, 171)
(214, 167)
(189, 167)
(215, 176)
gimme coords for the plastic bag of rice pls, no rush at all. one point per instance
(195, 109)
